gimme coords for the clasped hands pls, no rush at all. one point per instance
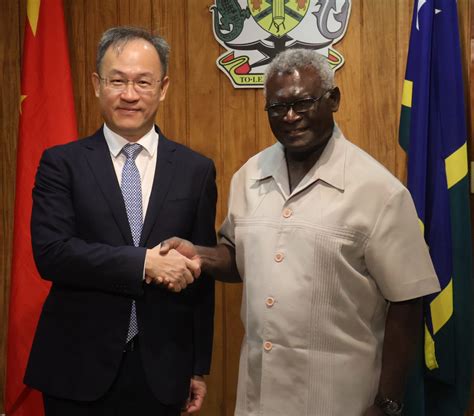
(173, 264)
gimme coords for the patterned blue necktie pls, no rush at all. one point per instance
(132, 196)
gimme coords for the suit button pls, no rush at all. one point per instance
(267, 346)
(287, 212)
(270, 301)
(279, 257)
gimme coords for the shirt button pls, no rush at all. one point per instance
(267, 346)
(279, 257)
(270, 301)
(287, 212)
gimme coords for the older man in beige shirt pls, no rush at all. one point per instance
(327, 244)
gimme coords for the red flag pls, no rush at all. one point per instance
(47, 118)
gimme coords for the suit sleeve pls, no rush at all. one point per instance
(64, 258)
(204, 235)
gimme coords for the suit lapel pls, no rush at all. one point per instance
(164, 173)
(100, 162)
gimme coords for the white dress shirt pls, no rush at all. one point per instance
(145, 161)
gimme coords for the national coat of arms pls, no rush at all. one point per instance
(255, 31)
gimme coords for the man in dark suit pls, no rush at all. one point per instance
(117, 336)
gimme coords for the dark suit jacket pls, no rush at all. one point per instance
(83, 244)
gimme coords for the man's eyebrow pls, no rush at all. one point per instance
(121, 73)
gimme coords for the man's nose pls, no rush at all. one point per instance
(291, 116)
(130, 93)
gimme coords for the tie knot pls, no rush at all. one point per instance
(131, 150)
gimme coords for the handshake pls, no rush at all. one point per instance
(173, 264)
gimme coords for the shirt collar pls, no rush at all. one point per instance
(115, 142)
(330, 167)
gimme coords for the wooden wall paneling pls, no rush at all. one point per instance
(123, 13)
(264, 134)
(379, 107)
(99, 16)
(74, 13)
(160, 19)
(204, 107)
(351, 80)
(464, 17)
(234, 333)
(202, 113)
(10, 28)
(169, 18)
(403, 21)
(22, 18)
(221, 329)
(135, 13)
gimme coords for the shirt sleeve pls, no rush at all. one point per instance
(397, 256)
(226, 234)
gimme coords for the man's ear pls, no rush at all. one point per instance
(334, 99)
(165, 83)
(96, 83)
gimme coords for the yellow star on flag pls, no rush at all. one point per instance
(32, 10)
(22, 98)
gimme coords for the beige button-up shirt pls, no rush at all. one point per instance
(318, 266)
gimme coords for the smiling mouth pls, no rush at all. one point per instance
(296, 132)
(128, 110)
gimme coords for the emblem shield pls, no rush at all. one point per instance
(253, 32)
(278, 17)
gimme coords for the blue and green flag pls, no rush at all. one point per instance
(433, 133)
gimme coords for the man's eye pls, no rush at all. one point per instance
(304, 103)
(116, 82)
(143, 83)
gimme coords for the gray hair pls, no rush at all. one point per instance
(291, 59)
(117, 37)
